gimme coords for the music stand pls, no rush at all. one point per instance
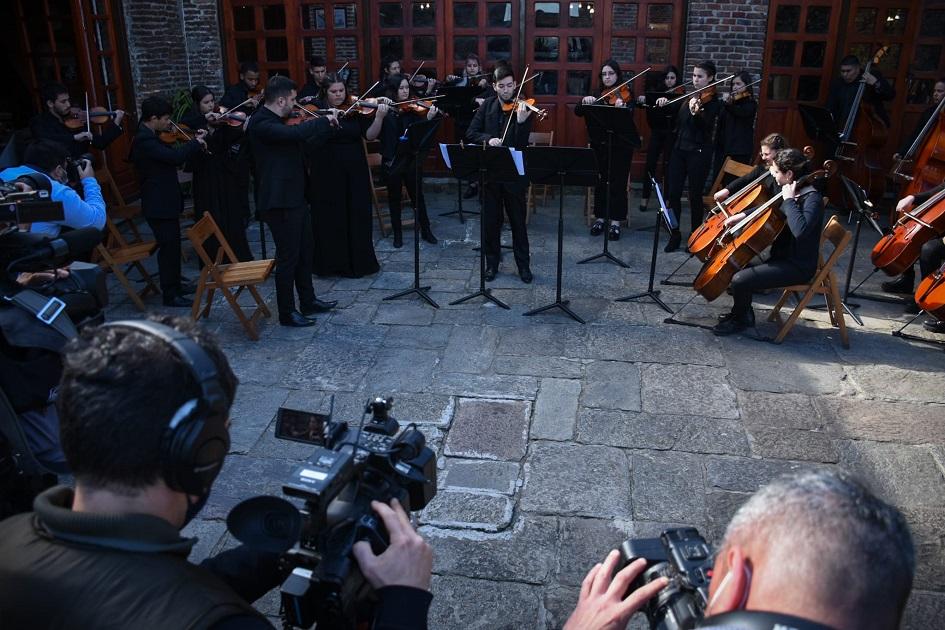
(561, 166)
(466, 161)
(663, 216)
(604, 125)
(414, 144)
(819, 124)
(453, 100)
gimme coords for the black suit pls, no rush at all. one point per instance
(161, 199)
(276, 150)
(489, 122)
(46, 126)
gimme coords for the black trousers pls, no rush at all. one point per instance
(292, 231)
(689, 168)
(661, 144)
(512, 196)
(167, 235)
(767, 275)
(931, 257)
(620, 160)
(395, 183)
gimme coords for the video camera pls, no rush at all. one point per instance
(682, 556)
(350, 468)
(17, 206)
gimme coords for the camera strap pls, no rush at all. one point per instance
(48, 310)
(758, 620)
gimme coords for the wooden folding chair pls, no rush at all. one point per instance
(731, 168)
(119, 256)
(823, 283)
(538, 139)
(225, 272)
(122, 214)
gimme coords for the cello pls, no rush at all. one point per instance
(928, 151)
(898, 251)
(748, 238)
(930, 296)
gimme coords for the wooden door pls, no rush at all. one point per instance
(332, 30)
(412, 32)
(488, 29)
(265, 32)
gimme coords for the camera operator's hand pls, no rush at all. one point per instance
(84, 168)
(407, 561)
(601, 604)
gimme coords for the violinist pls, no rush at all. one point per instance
(620, 158)
(314, 89)
(696, 126)
(794, 253)
(389, 66)
(843, 91)
(938, 93)
(161, 201)
(279, 171)
(472, 75)
(51, 125)
(737, 122)
(503, 121)
(221, 180)
(662, 121)
(394, 127)
(340, 189)
(245, 89)
(770, 145)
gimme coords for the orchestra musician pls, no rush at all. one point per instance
(464, 115)
(938, 93)
(279, 171)
(770, 145)
(843, 90)
(314, 89)
(161, 201)
(394, 127)
(691, 160)
(50, 123)
(737, 122)
(794, 253)
(662, 121)
(489, 126)
(340, 189)
(620, 159)
(246, 88)
(389, 65)
(220, 178)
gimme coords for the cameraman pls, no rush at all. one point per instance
(813, 550)
(144, 423)
(49, 159)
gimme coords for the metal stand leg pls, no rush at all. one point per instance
(650, 293)
(606, 253)
(416, 288)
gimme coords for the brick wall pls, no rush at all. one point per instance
(168, 54)
(732, 34)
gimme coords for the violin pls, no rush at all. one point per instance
(706, 93)
(303, 113)
(229, 118)
(898, 251)
(930, 296)
(529, 104)
(415, 107)
(78, 118)
(179, 133)
(622, 94)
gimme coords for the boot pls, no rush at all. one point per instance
(675, 238)
(398, 237)
(427, 235)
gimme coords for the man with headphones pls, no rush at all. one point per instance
(144, 409)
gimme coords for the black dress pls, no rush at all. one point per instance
(339, 193)
(220, 185)
(736, 132)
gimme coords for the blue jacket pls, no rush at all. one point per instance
(78, 213)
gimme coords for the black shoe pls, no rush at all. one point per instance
(675, 238)
(643, 207)
(398, 240)
(187, 288)
(178, 301)
(526, 275)
(724, 317)
(934, 326)
(901, 285)
(295, 319)
(471, 191)
(598, 228)
(427, 235)
(318, 306)
(734, 324)
(613, 233)
(911, 307)
(490, 274)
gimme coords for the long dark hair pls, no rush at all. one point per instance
(792, 160)
(392, 85)
(746, 79)
(616, 66)
(197, 94)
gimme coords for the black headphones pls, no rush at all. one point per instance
(196, 439)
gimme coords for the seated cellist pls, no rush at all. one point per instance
(794, 253)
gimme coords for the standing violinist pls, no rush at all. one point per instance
(395, 127)
(220, 178)
(245, 89)
(795, 251)
(161, 201)
(619, 158)
(696, 126)
(472, 75)
(737, 122)
(501, 121)
(314, 89)
(662, 122)
(50, 124)
(843, 91)
(340, 189)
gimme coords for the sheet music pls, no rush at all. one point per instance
(446, 156)
(519, 159)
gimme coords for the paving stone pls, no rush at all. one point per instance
(263, 363)
(788, 411)
(467, 510)
(404, 313)
(884, 421)
(559, 604)
(535, 340)
(785, 368)
(576, 480)
(743, 474)
(470, 349)
(485, 386)
(269, 446)
(253, 410)
(925, 609)
(668, 485)
(393, 280)
(243, 477)
(688, 390)
(555, 409)
(893, 383)
(430, 338)
(612, 385)
(927, 525)
(628, 429)
(720, 508)
(482, 604)
(814, 446)
(638, 344)
(489, 429)
(584, 542)
(553, 367)
(478, 474)
(208, 535)
(338, 359)
(906, 476)
(359, 313)
(721, 436)
(406, 371)
(525, 552)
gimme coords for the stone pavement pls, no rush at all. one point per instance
(556, 441)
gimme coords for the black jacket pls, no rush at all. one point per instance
(156, 164)
(737, 127)
(490, 120)
(276, 150)
(799, 241)
(841, 95)
(45, 126)
(922, 197)
(697, 133)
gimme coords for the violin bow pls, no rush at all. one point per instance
(187, 135)
(88, 119)
(705, 87)
(518, 93)
(341, 69)
(410, 80)
(358, 100)
(224, 113)
(628, 81)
